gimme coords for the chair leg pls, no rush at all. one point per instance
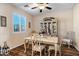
(40, 53)
(32, 52)
(59, 51)
(48, 52)
(68, 44)
(27, 45)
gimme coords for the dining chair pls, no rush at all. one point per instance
(26, 45)
(56, 46)
(36, 46)
(68, 39)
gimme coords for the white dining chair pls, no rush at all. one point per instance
(36, 46)
(68, 38)
(26, 44)
(53, 48)
(56, 46)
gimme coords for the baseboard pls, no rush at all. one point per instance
(76, 47)
(16, 46)
(23, 43)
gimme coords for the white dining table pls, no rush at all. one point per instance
(45, 40)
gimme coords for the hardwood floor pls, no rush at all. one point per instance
(19, 51)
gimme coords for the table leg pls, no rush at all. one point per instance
(55, 49)
(24, 46)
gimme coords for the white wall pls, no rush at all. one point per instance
(6, 33)
(64, 18)
(76, 24)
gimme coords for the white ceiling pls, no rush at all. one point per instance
(54, 6)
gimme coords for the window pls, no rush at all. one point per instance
(16, 23)
(19, 23)
(23, 23)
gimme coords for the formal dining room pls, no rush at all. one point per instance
(39, 29)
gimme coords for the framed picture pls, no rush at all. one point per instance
(3, 21)
(29, 25)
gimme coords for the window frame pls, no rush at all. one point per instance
(19, 15)
(25, 24)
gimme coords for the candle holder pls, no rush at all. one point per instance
(4, 51)
(0, 50)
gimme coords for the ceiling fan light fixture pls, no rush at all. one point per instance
(41, 7)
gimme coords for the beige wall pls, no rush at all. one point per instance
(68, 21)
(64, 17)
(6, 33)
(76, 24)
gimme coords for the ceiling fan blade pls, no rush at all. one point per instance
(40, 10)
(26, 6)
(48, 8)
(47, 3)
(41, 3)
(34, 7)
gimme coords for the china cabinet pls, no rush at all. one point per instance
(49, 26)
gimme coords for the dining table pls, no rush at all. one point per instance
(43, 39)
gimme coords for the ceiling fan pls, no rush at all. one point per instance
(41, 6)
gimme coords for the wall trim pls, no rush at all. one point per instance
(23, 43)
(76, 47)
(16, 46)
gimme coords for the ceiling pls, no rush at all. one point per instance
(54, 6)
